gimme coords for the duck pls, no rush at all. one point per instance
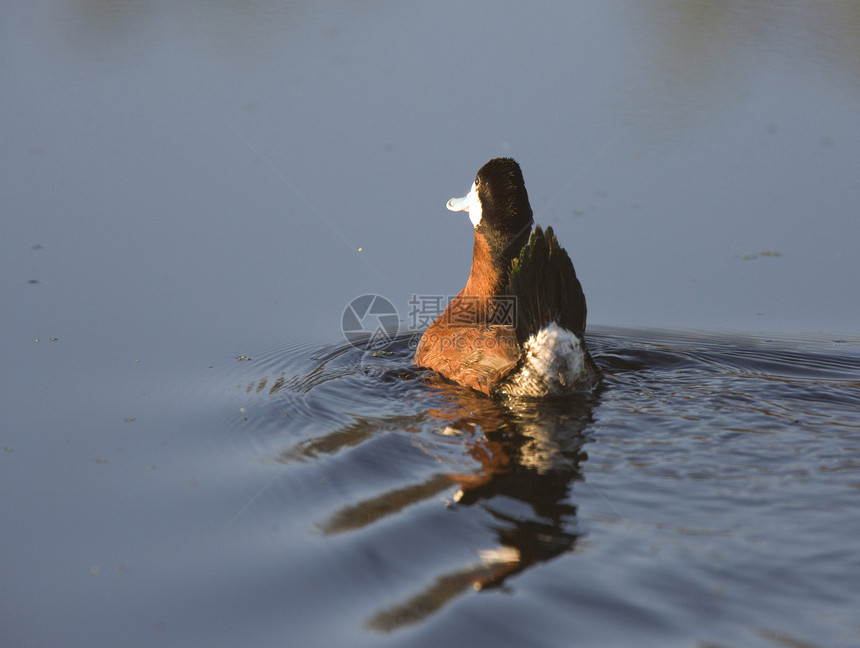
(517, 327)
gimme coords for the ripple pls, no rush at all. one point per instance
(696, 444)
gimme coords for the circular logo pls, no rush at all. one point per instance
(370, 322)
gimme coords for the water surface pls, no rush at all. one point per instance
(187, 183)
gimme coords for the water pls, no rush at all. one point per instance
(188, 183)
(704, 495)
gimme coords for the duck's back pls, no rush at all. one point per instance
(477, 357)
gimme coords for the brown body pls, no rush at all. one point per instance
(459, 344)
(468, 343)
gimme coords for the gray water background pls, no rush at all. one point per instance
(185, 183)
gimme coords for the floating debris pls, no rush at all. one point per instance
(761, 253)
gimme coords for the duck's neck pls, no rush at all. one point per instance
(486, 277)
(476, 304)
(491, 263)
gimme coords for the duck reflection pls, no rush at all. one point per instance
(515, 462)
(528, 453)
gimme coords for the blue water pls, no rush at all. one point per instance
(187, 183)
(316, 495)
(705, 495)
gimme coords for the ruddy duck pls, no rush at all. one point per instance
(517, 326)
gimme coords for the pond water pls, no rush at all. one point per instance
(194, 191)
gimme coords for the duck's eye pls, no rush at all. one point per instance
(477, 182)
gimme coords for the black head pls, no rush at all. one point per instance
(498, 206)
(505, 208)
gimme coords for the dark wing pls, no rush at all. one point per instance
(545, 285)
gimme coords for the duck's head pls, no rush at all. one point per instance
(498, 206)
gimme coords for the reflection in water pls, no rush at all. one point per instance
(242, 30)
(700, 57)
(696, 35)
(720, 414)
(528, 453)
(521, 453)
(701, 46)
(371, 510)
